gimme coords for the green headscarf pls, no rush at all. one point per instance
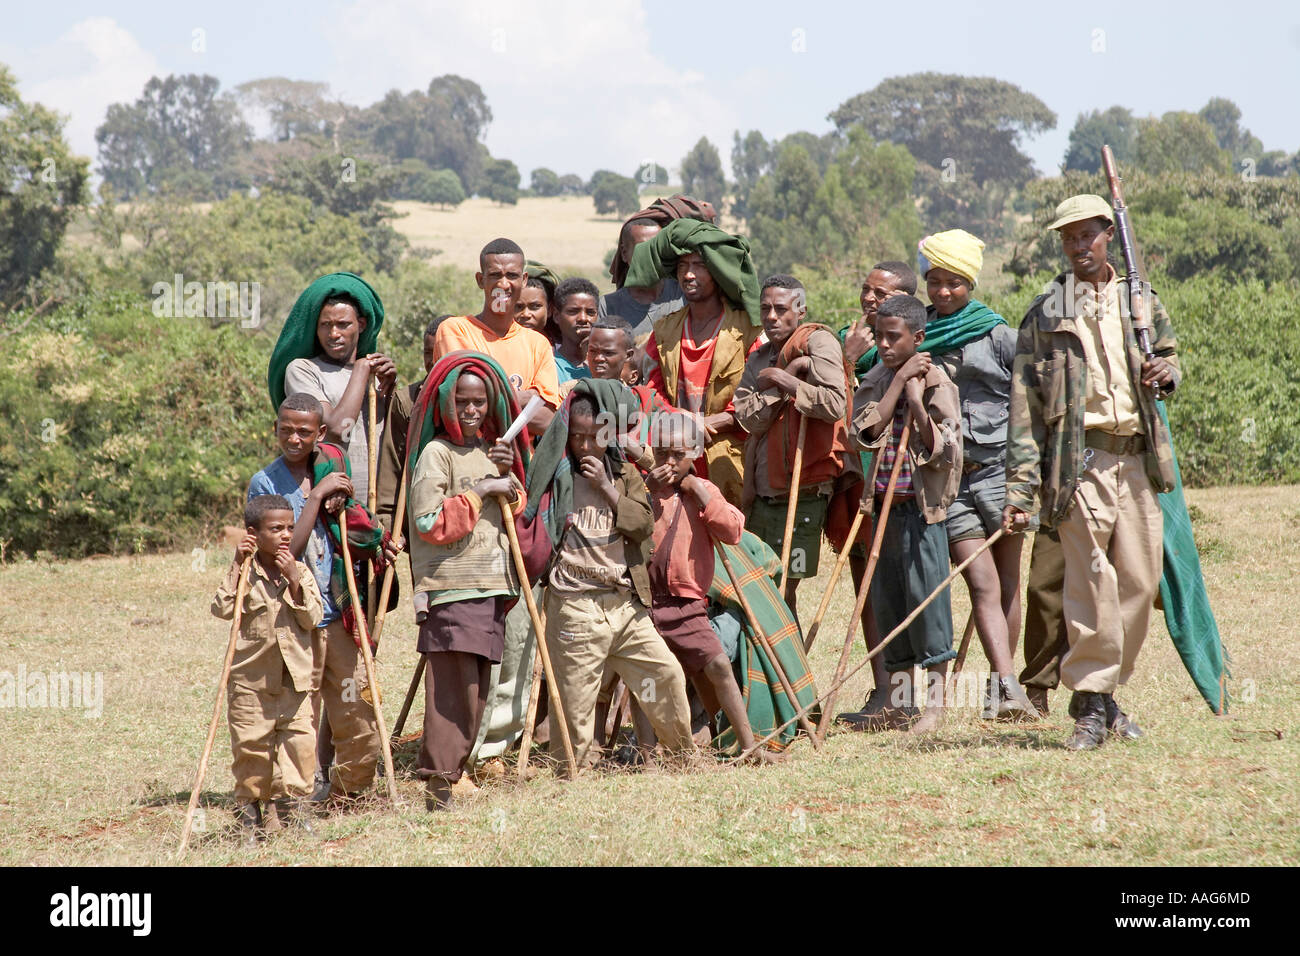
(298, 337)
(726, 256)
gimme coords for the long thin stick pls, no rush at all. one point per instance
(389, 571)
(369, 661)
(530, 716)
(961, 657)
(410, 696)
(793, 504)
(552, 688)
(241, 590)
(865, 586)
(841, 560)
(372, 489)
(879, 647)
(765, 643)
(622, 703)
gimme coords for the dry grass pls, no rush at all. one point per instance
(1198, 790)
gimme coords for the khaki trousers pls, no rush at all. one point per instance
(269, 731)
(1114, 553)
(339, 676)
(587, 632)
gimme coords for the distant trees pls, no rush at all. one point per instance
(501, 181)
(1115, 127)
(545, 182)
(702, 175)
(650, 174)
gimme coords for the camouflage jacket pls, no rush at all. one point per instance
(1049, 385)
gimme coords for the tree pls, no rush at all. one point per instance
(751, 157)
(180, 134)
(440, 186)
(1115, 127)
(650, 174)
(1224, 118)
(571, 184)
(502, 181)
(41, 186)
(614, 193)
(545, 182)
(969, 125)
(702, 173)
(1179, 141)
(296, 107)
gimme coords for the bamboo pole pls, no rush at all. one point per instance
(792, 505)
(241, 591)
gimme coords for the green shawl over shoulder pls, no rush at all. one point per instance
(298, 337)
(943, 334)
(726, 256)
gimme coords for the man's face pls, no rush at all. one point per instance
(575, 318)
(531, 309)
(607, 353)
(337, 329)
(502, 278)
(297, 434)
(1085, 244)
(878, 287)
(782, 310)
(633, 237)
(276, 531)
(695, 279)
(471, 404)
(895, 341)
(582, 435)
(429, 352)
(948, 291)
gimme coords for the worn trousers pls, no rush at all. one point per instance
(455, 693)
(270, 731)
(339, 676)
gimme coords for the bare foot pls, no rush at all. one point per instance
(930, 721)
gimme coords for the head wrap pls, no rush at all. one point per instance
(661, 212)
(726, 257)
(955, 250)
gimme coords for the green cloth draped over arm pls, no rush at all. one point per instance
(726, 256)
(943, 334)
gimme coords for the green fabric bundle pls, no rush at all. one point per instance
(726, 256)
(943, 333)
(298, 337)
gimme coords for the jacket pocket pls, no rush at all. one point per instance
(1050, 373)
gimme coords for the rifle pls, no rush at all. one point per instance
(1137, 285)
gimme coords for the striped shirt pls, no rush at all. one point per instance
(889, 454)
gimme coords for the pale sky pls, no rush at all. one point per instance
(580, 85)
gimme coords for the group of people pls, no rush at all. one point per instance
(666, 420)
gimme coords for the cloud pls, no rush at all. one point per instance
(572, 85)
(95, 63)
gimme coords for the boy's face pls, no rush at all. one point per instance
(1085, 244)
(583, 431)
(429, 352)
(878, 287)
(471, 404)
(607, 353)
(575, 319)
(531, 309)
(677, 456)
(695, 278)
(948, 291)
(634, 236)
(781, 311)
(337, 329)
(297, 434)
(896, 342)
(275, 533)
(502, 279)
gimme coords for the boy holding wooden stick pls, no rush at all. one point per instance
(907, 388)
(270, 683)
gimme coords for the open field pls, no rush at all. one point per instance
(1199, 790)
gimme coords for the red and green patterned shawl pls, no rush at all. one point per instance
(366, 537)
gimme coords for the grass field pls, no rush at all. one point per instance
(1197, 790)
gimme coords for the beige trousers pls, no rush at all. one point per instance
(339, 674)
(587, 632)
(270, 731)
(1112, 540)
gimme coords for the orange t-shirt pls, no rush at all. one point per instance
(525, 355)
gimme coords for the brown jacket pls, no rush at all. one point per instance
(275, 633)
(936, 475)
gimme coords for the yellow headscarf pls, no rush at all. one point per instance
(955, 250)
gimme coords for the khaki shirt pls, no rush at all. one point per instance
(820, 396)
(275, 633)
(936, 474)
(1110, 403)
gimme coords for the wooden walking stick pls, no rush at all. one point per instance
(398, 515)
(530, 715)
(793, 504)
(840, 560)
(372, 490)
(552, 688)
(865, 585)
(367, 659)
(241, 590)
(903, 625)
(410, 697)
(622, 701)
(961, 656)
(765, 643)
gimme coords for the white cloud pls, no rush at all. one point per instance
(573, 85)
(93, 64)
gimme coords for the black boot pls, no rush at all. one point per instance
(295, 814)
(1119, 723)
(1089, 713)
(249, 816)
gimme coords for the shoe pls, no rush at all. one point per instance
(1038, 697)
(1089, 713)
(1119, 722)
(871, 716)
(249, 817)
(437, 794)
(1013, 703)
(321, 787)
(294, 814)
(931, 720)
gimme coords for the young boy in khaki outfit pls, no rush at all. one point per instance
(269, 689)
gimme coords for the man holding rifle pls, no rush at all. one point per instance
(1087, 452)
